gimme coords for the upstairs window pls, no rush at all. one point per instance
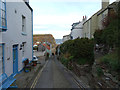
(3, 21)
(23, 24)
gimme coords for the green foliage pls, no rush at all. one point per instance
(110, 34)
(64, 61)
(98, 36)
(99, 71)
(111, 60)
(79, 50)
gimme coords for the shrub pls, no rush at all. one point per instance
(112, 61)
(99, 71)
(81, 50)
(64, 61)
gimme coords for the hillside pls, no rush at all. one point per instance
(44, 38)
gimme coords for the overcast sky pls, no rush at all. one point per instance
(56, 16)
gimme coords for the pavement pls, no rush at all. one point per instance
(54, 75)
(24, 79)
(38, 54)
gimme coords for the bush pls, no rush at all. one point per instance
(80, 50)
(64, 61)
(111, 60)
(99, 71)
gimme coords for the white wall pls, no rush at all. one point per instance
(13, 35)
(78, 31)
(0, 37)
(65, 38)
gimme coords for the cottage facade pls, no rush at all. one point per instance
(16, 36)
(77, 29)
(94, 22)
(66, 37)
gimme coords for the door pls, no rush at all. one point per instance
(15, 59)
(1, 59)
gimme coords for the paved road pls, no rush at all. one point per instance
(54, 75)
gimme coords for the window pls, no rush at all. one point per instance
(23, 50)
(3, 23)
(23, 24)
(1, 59)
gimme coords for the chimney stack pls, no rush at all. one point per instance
(83, 18)
(105, 3)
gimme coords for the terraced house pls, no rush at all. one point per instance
(16, 34)
(94, 22)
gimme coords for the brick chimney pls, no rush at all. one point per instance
(105, 3)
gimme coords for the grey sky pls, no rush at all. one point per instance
(56, 16)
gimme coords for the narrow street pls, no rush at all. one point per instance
(54, 75)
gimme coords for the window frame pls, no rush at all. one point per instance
(24, 26)
(3, 27)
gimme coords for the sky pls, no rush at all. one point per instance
(56, 16)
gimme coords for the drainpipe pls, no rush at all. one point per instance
(32, 33)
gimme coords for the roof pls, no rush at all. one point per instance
(66, 35)
(102, 10)
(28, 6)
(74, 24)
(108, 7)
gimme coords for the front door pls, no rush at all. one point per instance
(15, 59)
(1, 59)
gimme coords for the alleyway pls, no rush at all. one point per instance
(54, 75)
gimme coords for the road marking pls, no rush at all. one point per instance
(37, 77)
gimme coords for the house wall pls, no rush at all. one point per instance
(65, 38)
(78, 30)
(86, 29)
(101, 18)
(94, 25)
(0, 37)
(14, 34)
(76, 33)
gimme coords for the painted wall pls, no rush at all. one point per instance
(86, 29)
(0, 37)
(14, 35)
(78, 30)
(65, 38)
(101, 18)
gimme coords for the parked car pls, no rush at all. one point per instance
(35, 58)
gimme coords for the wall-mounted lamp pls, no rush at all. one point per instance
(21, 45)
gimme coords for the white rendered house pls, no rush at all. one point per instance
(77, 29)
(66, 38)
(16, 38)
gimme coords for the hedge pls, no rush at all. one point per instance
(81, 50)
